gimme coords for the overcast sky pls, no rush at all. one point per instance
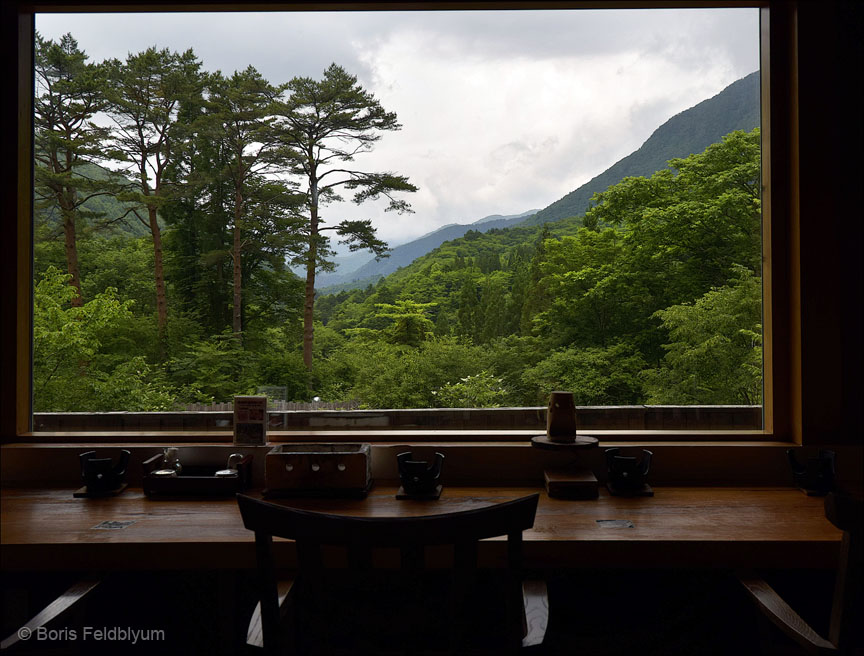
(502, 111)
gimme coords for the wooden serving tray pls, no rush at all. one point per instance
(196, 480)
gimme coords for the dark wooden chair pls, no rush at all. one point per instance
(845, 632)
(432, 599)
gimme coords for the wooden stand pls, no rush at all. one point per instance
(84, 492)
(434, 495)
(644, 490)
(569, 482)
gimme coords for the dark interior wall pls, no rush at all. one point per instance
(830, 40)
(830, 138)
(8, 220)
(601, 612)
(826, 388)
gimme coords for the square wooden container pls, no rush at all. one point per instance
(318, 470)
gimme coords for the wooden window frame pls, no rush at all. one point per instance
(796, 409)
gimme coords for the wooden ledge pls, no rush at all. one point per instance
(424, 438)
(678, 527)
(382, 436)
(469, 462)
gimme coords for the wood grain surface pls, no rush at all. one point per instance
(784, 617)
(46, 529)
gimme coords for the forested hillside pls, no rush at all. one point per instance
(656, 300)
(691, 131)
(404, 254)
(103, 212)
(654, 296)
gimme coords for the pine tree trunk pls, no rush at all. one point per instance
(309, 297)
(237, 318)
(308, 307)
(71, 245)
(159, 275)
(312, 256)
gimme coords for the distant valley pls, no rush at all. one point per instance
(691, 131)
(369, 271)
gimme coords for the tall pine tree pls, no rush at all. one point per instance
(329, 122)
(69, 92)
(146, 93)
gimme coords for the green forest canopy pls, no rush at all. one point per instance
(654, 296)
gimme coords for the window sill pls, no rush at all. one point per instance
(457, 436)
(525, 421)
(34, 461)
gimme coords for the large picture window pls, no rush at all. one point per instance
(408, 211)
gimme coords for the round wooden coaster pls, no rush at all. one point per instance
(581, 442)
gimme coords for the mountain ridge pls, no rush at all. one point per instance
(406, 253)
(736, 107)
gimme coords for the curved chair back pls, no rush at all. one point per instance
(361, 535)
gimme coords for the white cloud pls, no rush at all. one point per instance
(501, 111)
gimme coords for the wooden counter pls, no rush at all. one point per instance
(46, 529)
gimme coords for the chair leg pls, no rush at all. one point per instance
(536, 602)
(783, 616)
(254, 633)
(60, 607)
